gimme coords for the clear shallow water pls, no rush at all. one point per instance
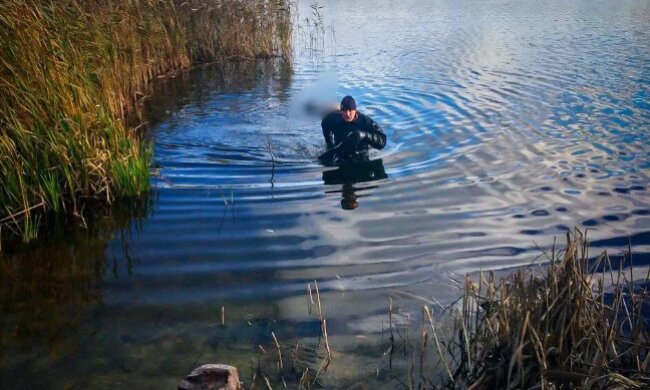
(508, 122)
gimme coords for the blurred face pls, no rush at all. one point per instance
(348, 115)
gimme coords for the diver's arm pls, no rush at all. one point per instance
(328, 134)
(373, 135)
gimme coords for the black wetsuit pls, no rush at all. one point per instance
(352, 139)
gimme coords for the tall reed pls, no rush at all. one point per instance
(577, 323)
(72, 73)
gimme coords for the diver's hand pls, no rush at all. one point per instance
(359, 136)
(353, 140)
(374, 140)
(350, 144)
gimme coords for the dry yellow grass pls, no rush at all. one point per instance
(565, 326)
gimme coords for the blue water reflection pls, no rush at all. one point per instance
(509, 122)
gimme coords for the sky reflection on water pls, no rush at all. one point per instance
(509, 122)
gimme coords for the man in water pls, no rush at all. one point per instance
(349, 134)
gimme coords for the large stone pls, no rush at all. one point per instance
(211, 377)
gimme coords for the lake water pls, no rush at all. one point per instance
(508, 123)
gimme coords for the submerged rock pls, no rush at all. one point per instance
(211, 377)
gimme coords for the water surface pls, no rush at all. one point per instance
(508, 123)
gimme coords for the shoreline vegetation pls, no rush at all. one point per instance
(72, 74)
(577, 321)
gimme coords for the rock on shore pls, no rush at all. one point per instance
(211, 377)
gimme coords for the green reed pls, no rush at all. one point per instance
(72, 73)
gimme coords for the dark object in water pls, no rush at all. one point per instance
(212, 377)
(349, 173)
(356, 172)
(342, 154)
(349, 197)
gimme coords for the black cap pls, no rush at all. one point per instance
(348, 103)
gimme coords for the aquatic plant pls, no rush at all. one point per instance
(312, 35)
(72, 74)
(302, 364)
(576, 323)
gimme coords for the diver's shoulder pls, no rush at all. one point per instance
(363, 118)
(332, 117)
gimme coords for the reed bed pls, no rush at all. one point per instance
(72, 73)
(577, 323)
